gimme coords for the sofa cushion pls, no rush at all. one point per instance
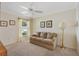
(49, 36)
(54, 34)
(38, 34)
(47, 41)
(39, 38)
(43, 35)
(35, 35)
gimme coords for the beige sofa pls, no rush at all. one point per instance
(44, 39)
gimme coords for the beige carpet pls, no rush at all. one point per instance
(25, 48)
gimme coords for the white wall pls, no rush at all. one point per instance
(9, 34)
(68, 17)
(77, 15)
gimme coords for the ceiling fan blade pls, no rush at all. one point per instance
(33, 10)
(38, 11)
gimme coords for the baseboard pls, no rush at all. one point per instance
(10, 43)
(67, 47)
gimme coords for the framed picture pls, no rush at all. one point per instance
(49, 24)
(42, 24)
(11, 22)
(3, 23)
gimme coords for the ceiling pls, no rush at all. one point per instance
(46, 7)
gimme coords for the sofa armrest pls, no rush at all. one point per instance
(54, 42)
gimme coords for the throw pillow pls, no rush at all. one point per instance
(50, 36)
(38, 34)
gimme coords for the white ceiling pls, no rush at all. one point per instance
(46, 7)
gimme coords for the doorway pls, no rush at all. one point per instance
(24, 29)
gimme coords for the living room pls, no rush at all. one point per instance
(60, 18)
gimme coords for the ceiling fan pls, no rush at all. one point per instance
(34, 10)
(31, 9)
